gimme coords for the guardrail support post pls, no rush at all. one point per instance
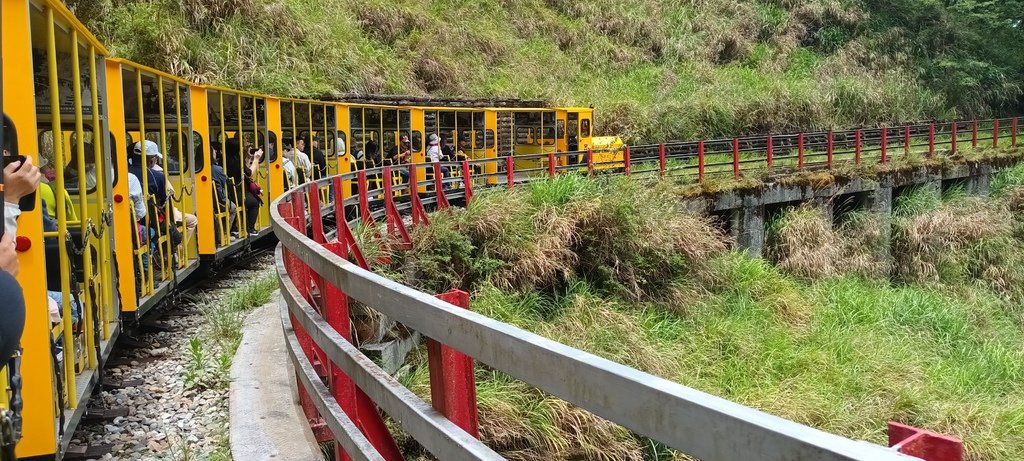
(661, 159)
(926, 445)
(442, 200)
(467, 180)
(931, 140)
(800, 151)
(906, 140)
(1013, 132)
(700, 159)
(551, 164)
(995, 133)
(316, 220)
(510, 170)
(885, 144)
(419, 215)
(830, 148)
(452, 378)
(769, 151)
(590, 162)
(856, 146)
(736, 157)
(396, 226)
(344, 234)
(364, 199)
(627, 161)
(952, 141)
(974, 133)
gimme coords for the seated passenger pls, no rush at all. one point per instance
(156, 183)
(220, 184)
(301, 160)
(434, 148)
(319, 159)
(371, 155)
(399, 155)
(250, 191)
(291, 173)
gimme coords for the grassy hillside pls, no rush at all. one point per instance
(655, 70)
(842, 328)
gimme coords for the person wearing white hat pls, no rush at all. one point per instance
(434, 149)
(161, 188)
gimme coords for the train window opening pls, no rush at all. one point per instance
(197, 151)
(48, 164)
(585, 128)
(170, 150)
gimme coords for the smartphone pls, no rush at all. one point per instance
(28, 202)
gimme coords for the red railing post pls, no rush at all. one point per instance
(467, 180)
(830, 149)
(953, 140)
(906, 140)
(927, 445)
(885, 143)
(736, 157)
(931, 140)
(661, 159)
(590, 162)
(442, 200)
(364, 199)
(627, 162)
(336, 315)
(452, 378)
(316, 220)
(974, 133)
(856, 146)
(1013, 132)
(995, 133)
(770, 151)
(510, 171)
(551, 164)
(345, 235)
(800, 151)
(700, 160)
(419, 215)
(396, 226)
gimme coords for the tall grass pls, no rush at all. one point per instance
(818, 334)
(655, 70)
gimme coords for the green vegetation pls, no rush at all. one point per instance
(842, 327)
(655, 70)
(210, 353)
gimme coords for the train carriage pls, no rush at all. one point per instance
(162, 250)
(65, 238)
(107, 254)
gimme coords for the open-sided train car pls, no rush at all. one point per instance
(148, 176)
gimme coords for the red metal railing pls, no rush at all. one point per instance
(317, 298)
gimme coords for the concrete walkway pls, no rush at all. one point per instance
(266, 421)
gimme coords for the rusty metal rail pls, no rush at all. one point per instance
(344, 392)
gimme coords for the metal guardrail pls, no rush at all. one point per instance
(318, 280)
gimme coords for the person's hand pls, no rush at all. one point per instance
(20, 180)
(258, 155)
(8, 254)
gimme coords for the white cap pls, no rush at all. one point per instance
(433, 139)
(152, 150)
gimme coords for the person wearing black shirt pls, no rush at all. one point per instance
(319, 159)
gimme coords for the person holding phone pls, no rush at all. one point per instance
(21, 179)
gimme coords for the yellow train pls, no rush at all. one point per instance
(149, 176)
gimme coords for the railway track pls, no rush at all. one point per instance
(146, 408)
